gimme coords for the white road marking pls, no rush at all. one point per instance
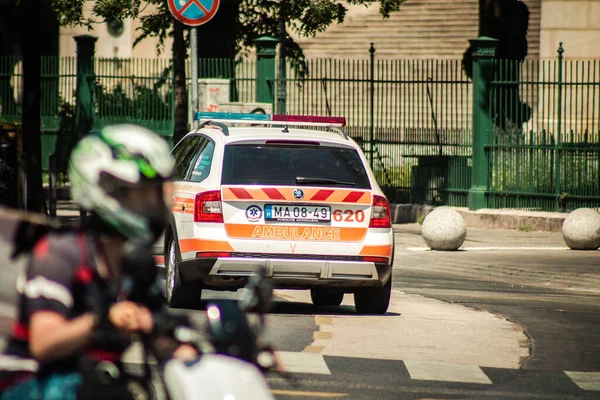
(435, 371)
(510, 248)
(293, 362)
(585, 380)
(303, 363)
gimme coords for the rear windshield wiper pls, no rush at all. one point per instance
(304, 180)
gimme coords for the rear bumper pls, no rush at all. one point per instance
(287, 273)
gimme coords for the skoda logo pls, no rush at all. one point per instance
(298, 194)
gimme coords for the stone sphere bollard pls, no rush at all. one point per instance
(444, 229)
(581, 229)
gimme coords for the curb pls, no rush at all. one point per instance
(482, 219)
(487, 218)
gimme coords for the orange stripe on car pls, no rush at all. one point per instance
(186, 245)
(287, 232)
(274, 194)
(353, 197)
(186, 187)
(183, 200)
(240, 193)
(159, 260)
(382, 251)
(179, 210)
(287, 194)
(321, 195)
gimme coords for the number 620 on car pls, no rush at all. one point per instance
(348, 215)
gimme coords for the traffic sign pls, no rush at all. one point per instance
(193, 12)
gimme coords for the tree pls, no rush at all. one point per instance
(24, 32)
(507, 21)
(304, 17)
(236, 25)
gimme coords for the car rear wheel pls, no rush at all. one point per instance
(324, 297)
(178, 292)
(373, 300)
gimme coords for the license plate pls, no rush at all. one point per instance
(290, 213)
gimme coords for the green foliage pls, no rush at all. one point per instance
(399, 175)
(142, 103)
(254, 18)
(70, 12)
(525, 228)
(306, 18)
(66, 134)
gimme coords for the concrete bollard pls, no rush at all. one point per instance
(444, 229)
(581, 229)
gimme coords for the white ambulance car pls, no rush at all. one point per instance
(293, 194)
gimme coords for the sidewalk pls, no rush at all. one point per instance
(514, 236)
(533, 259)
(487, 218)
(516, 220)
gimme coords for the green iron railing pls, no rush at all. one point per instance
(11, 86)
(412, 118)
(134, 91)
(241, 73)
(57, 87)
(544, 152)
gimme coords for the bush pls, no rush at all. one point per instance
(144, 103)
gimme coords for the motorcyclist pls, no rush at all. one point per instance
(75, 319)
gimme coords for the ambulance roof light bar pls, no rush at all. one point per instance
(337, 123)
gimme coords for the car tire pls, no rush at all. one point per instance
(324, 297)
(178, 292)
(373, 300)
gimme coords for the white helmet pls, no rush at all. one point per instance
(123, 156)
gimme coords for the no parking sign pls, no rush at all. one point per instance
(193, 12)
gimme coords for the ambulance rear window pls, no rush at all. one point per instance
(259, 164)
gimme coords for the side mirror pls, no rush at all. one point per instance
(139, 271)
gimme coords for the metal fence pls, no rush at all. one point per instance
(134, 90)
(57, 87)
(412, 118)
(544, 150)
(241, 73)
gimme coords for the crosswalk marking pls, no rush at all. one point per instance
(299, 393)
(292, 361)
(585, 380)
(433, 371)
(490, 248)
(303, 363)
(310, 363)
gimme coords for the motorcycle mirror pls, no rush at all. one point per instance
(257, 295)
(229, 330)
(138, 265)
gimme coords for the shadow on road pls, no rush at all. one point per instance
(295, 308)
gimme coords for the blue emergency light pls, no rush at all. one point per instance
(301, 120)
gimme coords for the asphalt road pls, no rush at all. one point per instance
(513, 316)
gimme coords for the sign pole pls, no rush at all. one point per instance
(193, 13)
(194, 55)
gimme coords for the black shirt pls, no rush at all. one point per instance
(62, 277)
